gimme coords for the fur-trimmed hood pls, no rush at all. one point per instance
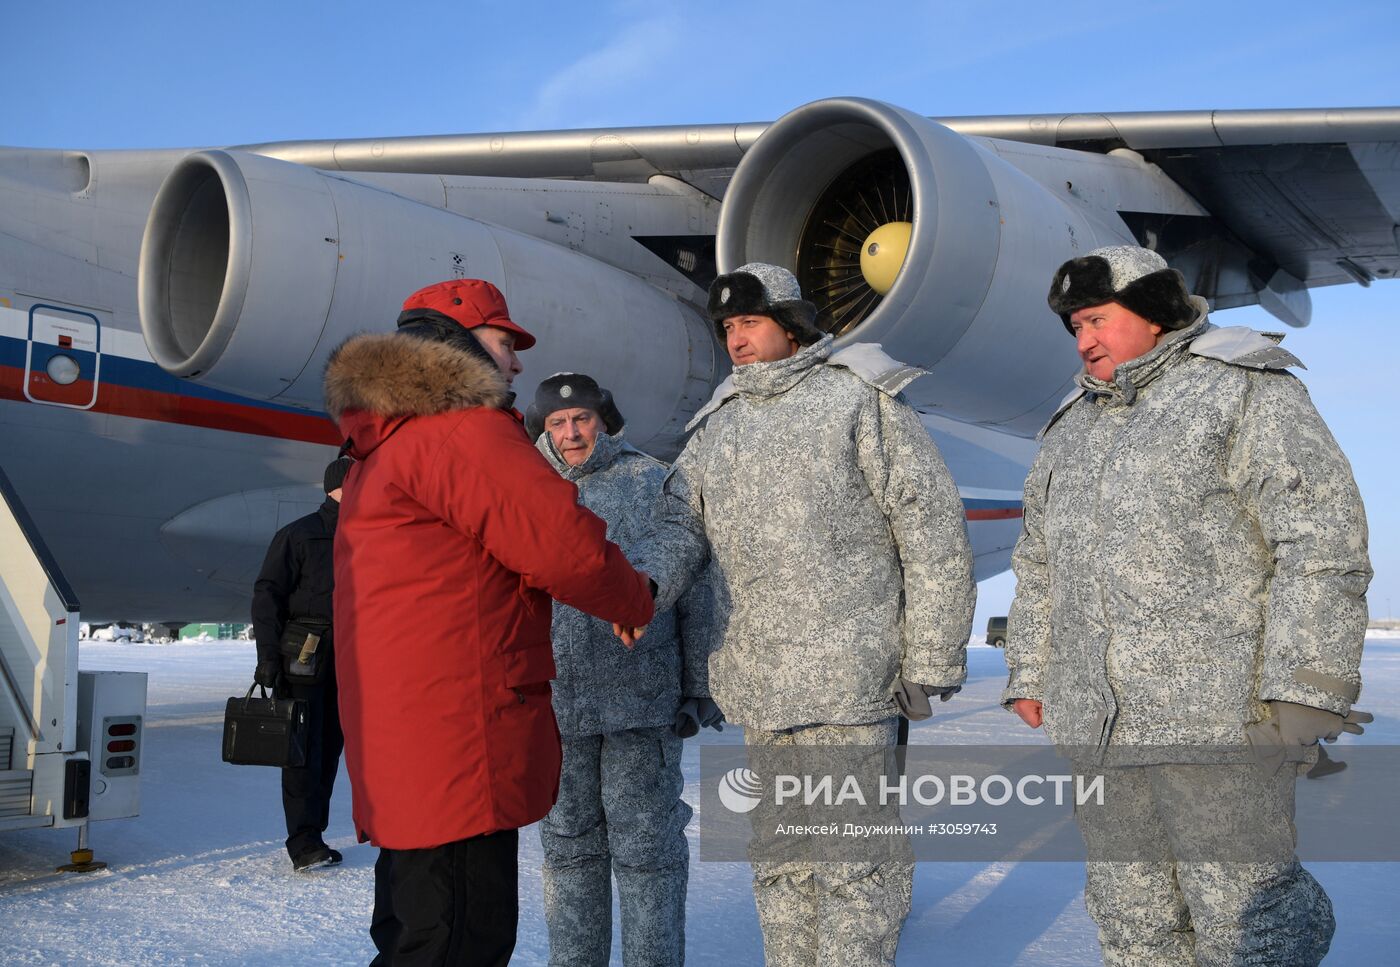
(390, 375)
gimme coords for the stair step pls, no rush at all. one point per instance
(16, 790)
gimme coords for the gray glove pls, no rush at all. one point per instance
(1291, 729)
(696, 714)
(913, 699)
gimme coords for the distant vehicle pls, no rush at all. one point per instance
(996, 632)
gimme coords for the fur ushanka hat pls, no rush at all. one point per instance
(564, 391)
(760, 289)
(1138, 279)
(334, 477)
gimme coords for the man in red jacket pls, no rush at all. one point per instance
(454, 535)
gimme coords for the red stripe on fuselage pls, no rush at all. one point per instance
(142, 404)
(994, 513)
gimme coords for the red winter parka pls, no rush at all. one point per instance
(454, 534)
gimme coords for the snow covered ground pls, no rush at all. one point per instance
(201, 877)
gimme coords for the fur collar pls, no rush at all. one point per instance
(393, 375)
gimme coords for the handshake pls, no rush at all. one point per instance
(630, 635)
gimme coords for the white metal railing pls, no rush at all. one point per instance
(38, 640)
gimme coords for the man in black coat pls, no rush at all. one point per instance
(292, 620)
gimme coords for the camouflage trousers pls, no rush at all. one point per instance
(1202, 869)
(823, 911)
(619, 814)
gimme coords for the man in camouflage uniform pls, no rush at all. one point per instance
(843, 578)
(1192, 571)
(621, 714)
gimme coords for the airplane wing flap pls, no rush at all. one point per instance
(1313, 192)
(1322, 212)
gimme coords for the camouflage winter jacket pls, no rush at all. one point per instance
(840, 552)
(1193, 546)
(601, 685)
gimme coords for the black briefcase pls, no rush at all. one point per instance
(265, 731)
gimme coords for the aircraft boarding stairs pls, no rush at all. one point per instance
(70, 742)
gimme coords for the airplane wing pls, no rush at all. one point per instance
(1295, 198)
(1314, 192)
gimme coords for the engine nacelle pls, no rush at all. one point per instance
(252, 270)
(837, 180)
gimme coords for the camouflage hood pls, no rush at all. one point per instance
(764, 380)
(606, 449)
(1236, 345)
(1130, 377)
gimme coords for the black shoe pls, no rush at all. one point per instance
(315, 857)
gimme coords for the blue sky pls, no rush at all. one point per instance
(159, 73)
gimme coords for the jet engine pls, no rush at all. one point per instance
(252, 270)
(931, 243)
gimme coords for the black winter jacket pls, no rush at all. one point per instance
(297, 578)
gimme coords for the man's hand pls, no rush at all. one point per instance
(629, 635)
(1351, 723)
(1029, 710)
(1291, 728)
(913, 698)
(696, 714)
(267, 673)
